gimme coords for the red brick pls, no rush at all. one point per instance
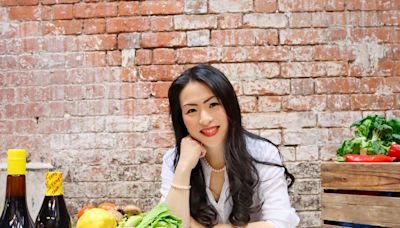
(25, 110)
(302, 86)
(188, 22)
(393, 51)
(303, 36)
(371, 5)
(244, 37)
(329, 52)
(159, 72)
(160, 89)
(337, 85)
(52, 2)
(265, 20)
(145, 106)
(372, 102)
(94, 26)
(217, 6)
(304, 103)
(30, 28)
(271, 53)
(334, 35)
(143, 57)
(383, 34)
(98, 42)
(265, 6)
(128, 8)
(132, 24)
(9, 3)
(53, 44)
(313, 69)
(95, 59)
(163, 39)
(247, 104)
(114, 58)
(7, 95)
(32, 45)
(160, 7)
(197, 55)
(28, 2)
(229, 20)
(62, 27)
(269, 103)
(161, 23)
(300, 20)
(8, 62)
(390, 17)
(164, 56)
(380, 85)
(302, 53)
(135, 90)
(62, 12)
(335, 5)
(249, 71)
(93, 10)
(74, 59)
(28, 13)
(129, 74)
(267, 87)
(26, 126)
(296, 6)
(128, 40)
(6, 127)
(338, 102)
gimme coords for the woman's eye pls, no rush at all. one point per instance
(190, 111)
(214, 104)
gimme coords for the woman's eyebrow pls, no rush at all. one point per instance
(205, 101)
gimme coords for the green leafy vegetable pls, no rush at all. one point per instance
(158, 217)
(373, 135)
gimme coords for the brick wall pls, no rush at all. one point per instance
(84, 83)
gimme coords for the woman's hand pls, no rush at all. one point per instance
(191, 152)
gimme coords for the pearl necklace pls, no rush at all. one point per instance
(212, 169)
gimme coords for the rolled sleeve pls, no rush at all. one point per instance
(276, 207)
(273, 190)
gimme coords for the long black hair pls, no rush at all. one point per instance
(242, 173)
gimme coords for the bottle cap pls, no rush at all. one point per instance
(54, 183)
(16, 162)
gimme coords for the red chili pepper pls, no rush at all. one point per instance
(394, 151)
(368, 158)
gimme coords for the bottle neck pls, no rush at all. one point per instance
(15, 186)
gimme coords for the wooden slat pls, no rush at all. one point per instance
(362, 209)
(383, 176)
(330, 226)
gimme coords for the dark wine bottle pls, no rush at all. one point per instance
(54, 212)
(15, 213)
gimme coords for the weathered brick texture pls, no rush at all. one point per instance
(83, 84)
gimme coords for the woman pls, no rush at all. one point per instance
(220, 174)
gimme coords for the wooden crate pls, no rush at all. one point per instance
(352, 192)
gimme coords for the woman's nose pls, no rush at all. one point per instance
(205, 118)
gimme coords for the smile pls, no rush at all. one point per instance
(210, 131)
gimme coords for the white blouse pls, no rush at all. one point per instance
(272, 191)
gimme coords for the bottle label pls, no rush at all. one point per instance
(54, 184)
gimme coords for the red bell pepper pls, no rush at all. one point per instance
(394, 151)
(368, 158)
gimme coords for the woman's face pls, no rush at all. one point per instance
(203, 114)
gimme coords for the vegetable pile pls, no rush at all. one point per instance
(160, 216)
(108, 215)
(374, 135)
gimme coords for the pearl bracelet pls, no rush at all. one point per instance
(181, 187)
